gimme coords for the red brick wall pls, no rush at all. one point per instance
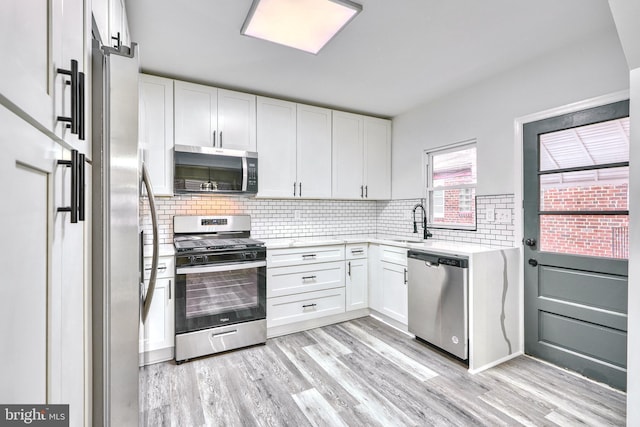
(452, 198)
(592, 235)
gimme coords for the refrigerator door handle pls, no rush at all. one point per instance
(154, 260)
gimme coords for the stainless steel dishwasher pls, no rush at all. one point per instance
(438, 300)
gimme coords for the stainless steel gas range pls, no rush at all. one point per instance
(220, 285)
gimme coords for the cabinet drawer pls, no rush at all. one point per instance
(307, 306)
(301, 256)
(166, 267)
(304, 278)
(394, 254)
(356, 250)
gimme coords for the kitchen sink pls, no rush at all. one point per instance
(407, 240)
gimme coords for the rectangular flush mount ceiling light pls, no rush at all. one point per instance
(302, 24)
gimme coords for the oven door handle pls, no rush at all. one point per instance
(220, 267)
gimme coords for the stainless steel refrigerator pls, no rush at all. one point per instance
(118, 300)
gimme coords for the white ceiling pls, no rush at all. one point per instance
(395, 55)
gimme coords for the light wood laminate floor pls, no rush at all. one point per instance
(365, 373)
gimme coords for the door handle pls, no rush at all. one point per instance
(533, 262)
(530, 242)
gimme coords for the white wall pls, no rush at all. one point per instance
(486, 111)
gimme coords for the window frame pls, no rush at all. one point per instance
(430, 188)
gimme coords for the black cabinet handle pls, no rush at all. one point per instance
(73, 74)
(405, 276)
(73, 207)
(294, 189)
(80, 187)
(366, 191)
(80, 104)
(305, 256)
(76, 81)
(309, 305)
(220, 139)
(362, 191)
(349, 268)
(300, 190)
(308, 277)
(118, 40)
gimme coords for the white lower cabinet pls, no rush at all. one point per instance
(394, 291)
(304, 306)
(157, 335)
(304, 278)
(304, 284)
(356, 284)
(388, 281)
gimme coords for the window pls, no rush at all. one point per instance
(451, 186)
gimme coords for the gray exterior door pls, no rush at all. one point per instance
(576, 241)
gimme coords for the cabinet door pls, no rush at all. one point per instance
(394, 291)
(67, 303)
(24, 322)
(158, 330)
(236, 120)
(377, 158)
(156, 131)
(196, 114)
(69, 42)
(375, 272)
(26, 39)
(356, 284)
(347, 146)
(276, 129)
(314, 151)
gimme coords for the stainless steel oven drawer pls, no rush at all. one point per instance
(223, 338)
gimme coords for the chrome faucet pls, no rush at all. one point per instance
(426, 233)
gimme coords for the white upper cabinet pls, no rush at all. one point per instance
(36, 39)
(313, 151)
(348, 160)
(111, 20)
(361, 157)
(212, 117)
(237, 120)
(377, 158)
(276, 133)
(156, 131)
(196, 114)
(294, 149)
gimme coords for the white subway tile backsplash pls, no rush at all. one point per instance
(273, 218)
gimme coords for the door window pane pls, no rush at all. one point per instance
(592, 235)
(597, 144)
(597, 189)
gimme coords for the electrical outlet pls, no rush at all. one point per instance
(490, 215)
(503, 216)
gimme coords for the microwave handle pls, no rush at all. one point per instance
(245, 172)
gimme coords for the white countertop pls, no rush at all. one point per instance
(439, 246)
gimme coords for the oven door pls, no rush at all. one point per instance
(219, 294)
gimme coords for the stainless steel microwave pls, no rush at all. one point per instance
(208, 170)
